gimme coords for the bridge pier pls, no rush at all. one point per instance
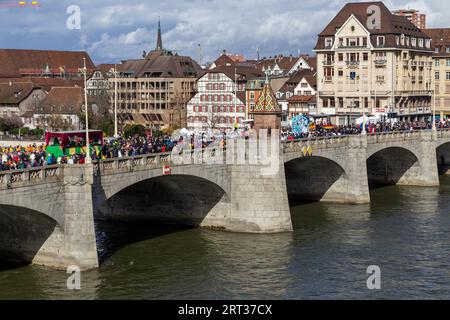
(352, 187)
(425, 172)
(259, 202)
(73, 242)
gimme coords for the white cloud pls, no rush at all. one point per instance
(113, 29)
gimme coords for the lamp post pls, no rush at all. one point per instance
(88, 147)
(434, 109)
(115, 102)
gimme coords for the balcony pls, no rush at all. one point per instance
(326, 93)
(328, 78)
(328, 63)
(380, 62)
(352, 64)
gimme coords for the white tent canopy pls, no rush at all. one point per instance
(367, 120)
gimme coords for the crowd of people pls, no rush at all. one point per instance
(32, 156)
(371, 128)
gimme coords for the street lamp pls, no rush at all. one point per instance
(434, 110)
(364, 119)
(88, 147)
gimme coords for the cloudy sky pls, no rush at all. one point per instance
(111, 30)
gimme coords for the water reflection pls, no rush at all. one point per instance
(404, 230)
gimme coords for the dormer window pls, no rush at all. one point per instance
(380, 41)
(328, 42)
(420, 43)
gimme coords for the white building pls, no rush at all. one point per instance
(219, 101)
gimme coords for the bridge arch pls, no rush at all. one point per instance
(393, 165)
(23, 232)
(185, 197)
(313, 178)
(443, 157)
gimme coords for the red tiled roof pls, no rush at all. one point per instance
(440, 38)
(161, 64)
(16, 63)
(63, 100)
(14, 93)
(300, 99)
(242, 73)
(391, 24)
(46, 83)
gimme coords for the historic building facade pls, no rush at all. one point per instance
(441, 69)
(218, 104)
(385, 71)
(153, 91)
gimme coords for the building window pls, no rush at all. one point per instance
(365, 56)
(448, 62)
(328, 42)
(340, 57)
(447, 76)
(436, 76)
(340, 73)
(437, 63)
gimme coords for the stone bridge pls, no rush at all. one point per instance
(47, 214)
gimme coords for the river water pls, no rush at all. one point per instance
(405, 231)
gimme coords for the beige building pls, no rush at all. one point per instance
(441, 69)
(383, 70)
(154, 91)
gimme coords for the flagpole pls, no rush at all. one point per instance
(88, 147)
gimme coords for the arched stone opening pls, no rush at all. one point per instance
(312, 179)
(23, 233)
(394, 165)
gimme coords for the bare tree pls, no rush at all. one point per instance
(101, 114)
(179, 109)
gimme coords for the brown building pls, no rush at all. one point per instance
(441, 69)
(417, 18)
(18, 97)
(154, 91)
(58, 110)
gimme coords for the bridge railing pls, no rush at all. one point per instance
(327, 141)
(153, 160)
(11, 178)
(371, 138)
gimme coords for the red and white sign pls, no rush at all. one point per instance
(167, 170)
(380, 110)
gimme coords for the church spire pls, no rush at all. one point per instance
(159, 39)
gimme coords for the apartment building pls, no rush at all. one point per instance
(154, 91)
(363, 68)
(417, 18)
(441, 69)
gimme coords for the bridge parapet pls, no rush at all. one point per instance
(383, 137)
(320, 142)
(154, 161)
(26, 177)
(443, 133)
